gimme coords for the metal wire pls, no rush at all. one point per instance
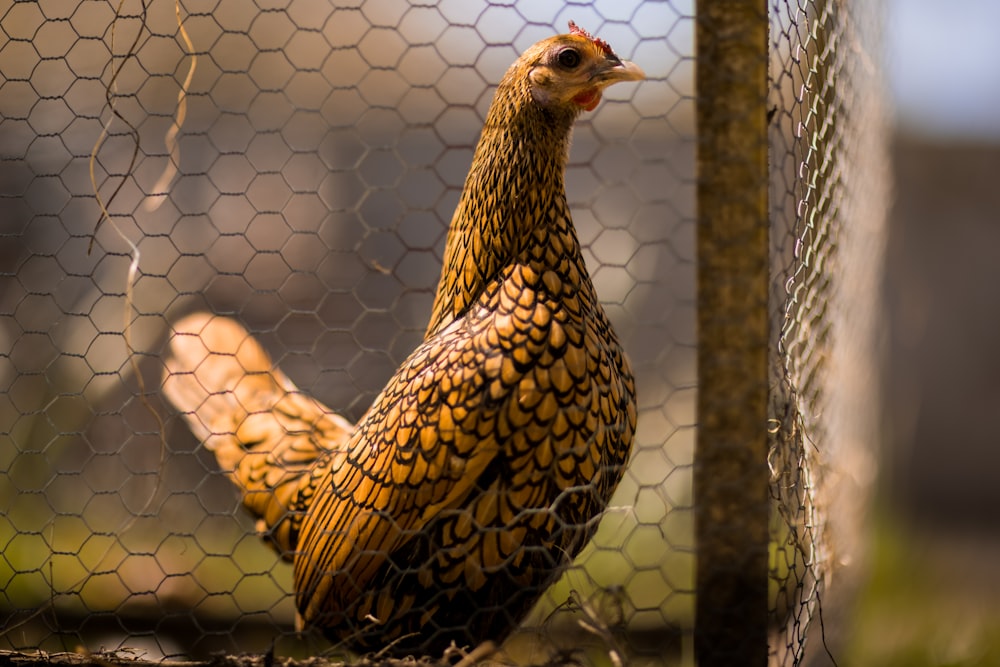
(829, 190)
(293, 164)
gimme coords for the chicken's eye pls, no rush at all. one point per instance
(569, 58)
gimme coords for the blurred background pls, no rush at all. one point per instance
(934, 598)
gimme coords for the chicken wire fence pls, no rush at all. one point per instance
(829, 189)
(293, 164)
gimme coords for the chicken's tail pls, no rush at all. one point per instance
(263, 431)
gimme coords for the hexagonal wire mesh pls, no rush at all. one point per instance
(321, 153)
(829, 193)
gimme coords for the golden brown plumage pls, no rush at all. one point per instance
(481, 468)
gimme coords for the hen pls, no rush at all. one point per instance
(483, 466)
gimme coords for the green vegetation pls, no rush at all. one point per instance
(930, 602)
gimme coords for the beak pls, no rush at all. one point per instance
(612, 70)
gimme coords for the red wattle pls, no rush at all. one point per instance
(588, 99)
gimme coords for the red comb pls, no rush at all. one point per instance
(605, 48)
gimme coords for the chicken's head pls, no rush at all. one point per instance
(575, 68)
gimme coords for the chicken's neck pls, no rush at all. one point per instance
(513, 206)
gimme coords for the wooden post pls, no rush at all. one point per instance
(731, 472)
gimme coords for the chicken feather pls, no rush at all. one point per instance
(480, 469)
